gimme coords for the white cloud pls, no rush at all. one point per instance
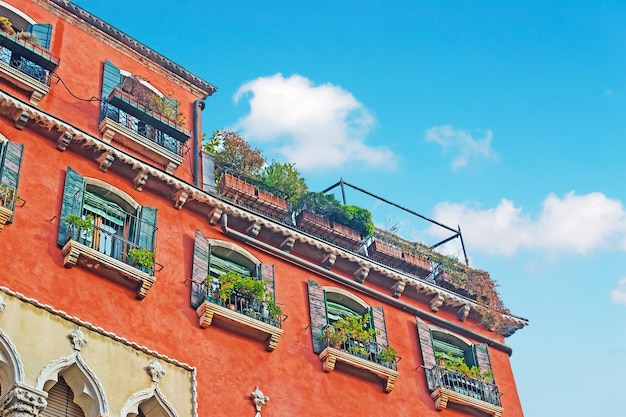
(316, 127)
(618, 294)
(461, 144)
(572, 224)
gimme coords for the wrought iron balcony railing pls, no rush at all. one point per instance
(470, 387)
(370, 351)
(243, 305)
(143, 127)
(29, 58)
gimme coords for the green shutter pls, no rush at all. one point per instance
(43, 32)
(317, 308)
(267, 272)
(146, 233)
(428, 352)
(200, 268)
(72, 202)
(10, 165)
(378, 321)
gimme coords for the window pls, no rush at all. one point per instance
(98, 219)
(61, 402)
(25, 59)
(457, 370)
(230, 283)
(10, 163)
(138, 115)
(332, 308)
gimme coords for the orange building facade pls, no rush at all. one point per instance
(114, 243)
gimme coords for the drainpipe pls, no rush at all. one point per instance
(196, 138)
(360, 287)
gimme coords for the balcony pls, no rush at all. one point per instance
(7, 203)
(452, 386)
(126, 120)
(109, 254)
(365, 356)
(26, 65)
(250, 317)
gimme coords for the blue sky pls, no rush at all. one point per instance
(506, 118)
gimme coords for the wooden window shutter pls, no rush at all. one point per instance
(111, 78)
(146, 233)
(317, 308)
(378, 320)
(43, 32)
(267, 274)
(428, 352)
(60, 402)
(200, 269)
(10, 165)
(481, 357)
(72, 202)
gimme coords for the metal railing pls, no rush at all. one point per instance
(110, 244)
(24, 65)
(471, 387)
(7, 196)
(370, 351)
(142, 128)
(243, 305)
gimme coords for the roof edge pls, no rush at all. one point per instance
(136, 46)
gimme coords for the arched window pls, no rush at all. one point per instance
(457, 366)
(213, 260)
(61, 402)
(25, 48)
(119, 225)
(330, 305)
(138, 108)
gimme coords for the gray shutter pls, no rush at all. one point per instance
(43, 32)
(146, 234)
(481, 356)
(267, 272)
(428, 352)
(317, 308)
(11, 163)
(378, 320)
(72, 202)
(200, 269)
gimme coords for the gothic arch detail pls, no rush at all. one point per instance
(88, 392)
(11, 368)
(152, 403)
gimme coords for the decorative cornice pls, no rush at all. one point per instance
(95, 329)
(217, 205)
(135, 45)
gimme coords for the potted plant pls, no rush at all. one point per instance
(225, 285)
(273, 309)
(6, 25)
(29, 37)
(83, 228)
(141, 257)
(388, 355)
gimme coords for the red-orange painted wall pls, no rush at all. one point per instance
(229, 365)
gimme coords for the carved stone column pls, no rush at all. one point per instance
(23, 401)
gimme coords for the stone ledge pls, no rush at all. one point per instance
(24, 81)
(139, 279)
(330, 356)
(113, 130)
(5, 215)
(207, 311)
(442, 396)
